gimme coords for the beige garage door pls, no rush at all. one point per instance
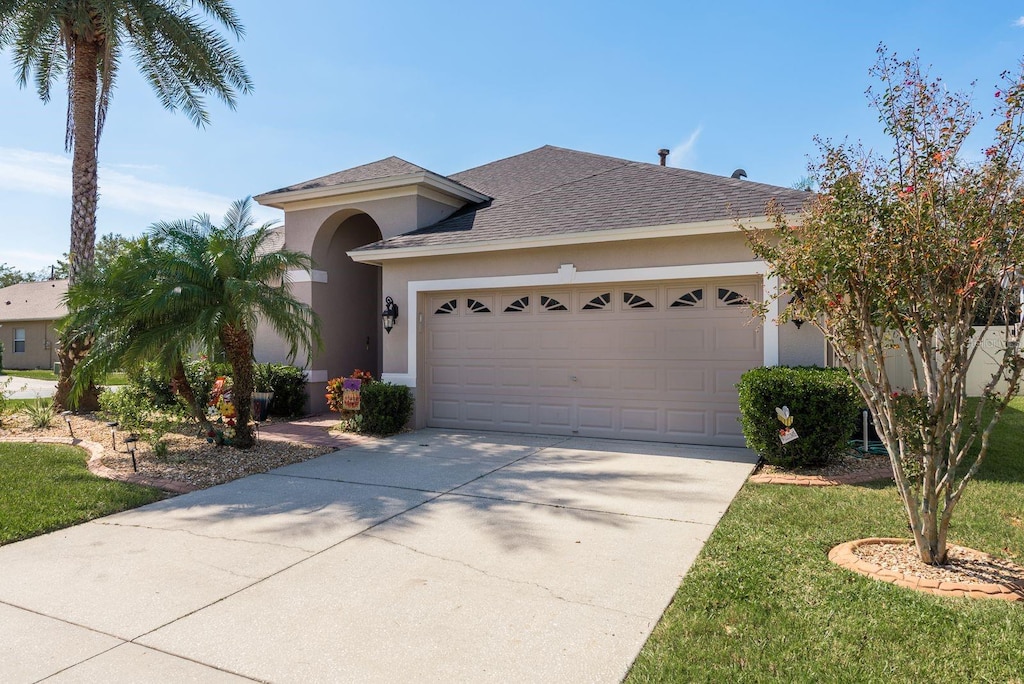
(635, 361)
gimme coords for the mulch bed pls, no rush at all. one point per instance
(847, 469)
(967, 572)
(190, 463)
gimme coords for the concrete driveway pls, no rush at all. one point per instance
(431, 556)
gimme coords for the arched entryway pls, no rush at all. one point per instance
(349, 301)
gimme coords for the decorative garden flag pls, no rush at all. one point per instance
(350, 394)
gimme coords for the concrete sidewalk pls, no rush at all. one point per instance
(430, 556)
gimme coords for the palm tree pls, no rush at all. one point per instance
(85, 41)
(191, 284)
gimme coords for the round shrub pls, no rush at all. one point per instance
(385, 408)
(824, 405)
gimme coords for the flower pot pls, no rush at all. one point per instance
(261, 405)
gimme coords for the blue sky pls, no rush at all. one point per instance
(455, 84)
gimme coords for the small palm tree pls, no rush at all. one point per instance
(190, 284)
(85, 41)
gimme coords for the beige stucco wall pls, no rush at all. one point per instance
(801, 347)
(39, 349)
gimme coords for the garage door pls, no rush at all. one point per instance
(633, 361)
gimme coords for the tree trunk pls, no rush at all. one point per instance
(181, 385)
(237, 343)
(84, 189)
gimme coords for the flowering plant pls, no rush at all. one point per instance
(335, 389)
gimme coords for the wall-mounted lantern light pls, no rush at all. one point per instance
(390, 315)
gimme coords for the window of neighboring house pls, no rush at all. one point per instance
(19, 340)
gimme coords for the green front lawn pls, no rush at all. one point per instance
(764, 603)
(44, 487)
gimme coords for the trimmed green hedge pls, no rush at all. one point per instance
(824, 405)
(385, 408)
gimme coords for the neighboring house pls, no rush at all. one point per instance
(555, 292)
(27, 315)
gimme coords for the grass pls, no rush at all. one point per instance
(117, 378)
(763, 603)
(45, 487)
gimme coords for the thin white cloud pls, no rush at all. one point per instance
(50, 174)
(684, 154)
(1019, 23)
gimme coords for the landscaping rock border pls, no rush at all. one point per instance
(844, 556)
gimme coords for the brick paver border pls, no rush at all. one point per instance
(879, 472)
(96, 466)
(843, 556)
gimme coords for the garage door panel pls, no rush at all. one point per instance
(639, 379)
(640, 420)
(480, 376)
(443, 375)
(727, 422)
(516, 414)
(516, 376)
(554, 415)
(686, 424)
(597, 417)
(687, 380)
(444, 409)
(480, 413)
(443, 340)
(659, 364)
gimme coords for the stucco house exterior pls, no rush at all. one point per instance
(555, 291)
(28, 312)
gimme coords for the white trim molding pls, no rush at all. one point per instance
(375, 256)
(567, 274)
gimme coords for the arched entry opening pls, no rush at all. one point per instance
(349, 301)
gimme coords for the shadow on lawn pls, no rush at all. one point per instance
(1005, 459)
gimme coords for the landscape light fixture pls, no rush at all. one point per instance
(130, 442)
(390, 314)
(113, 433)
(67, 419)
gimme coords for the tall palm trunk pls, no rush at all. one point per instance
(181, 385)
(237, 343)
(83, 92)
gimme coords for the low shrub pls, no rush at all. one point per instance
(153, 381)
(822, 401)
(288, 385)
(385, 408)
(130, 406)
(39, 412)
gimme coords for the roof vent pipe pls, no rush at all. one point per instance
(663, 153)
(739, 173)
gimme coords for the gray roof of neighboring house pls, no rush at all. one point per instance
(42, 301)
(552, 190)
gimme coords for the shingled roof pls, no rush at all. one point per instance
(42, 301)
(384, 168)
(552, 191)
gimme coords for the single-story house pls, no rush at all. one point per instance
(554, 291)
(28, 312)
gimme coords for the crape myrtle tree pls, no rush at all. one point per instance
(190, 285)
(897, 257)
(85, 42)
